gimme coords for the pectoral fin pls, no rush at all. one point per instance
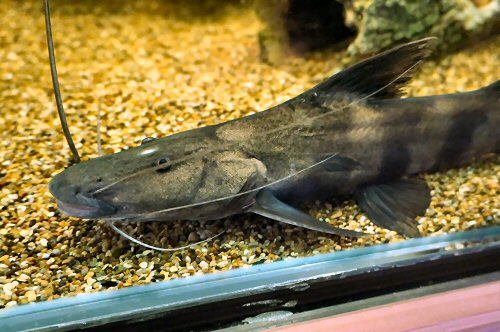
(395, 205)
(269, 206)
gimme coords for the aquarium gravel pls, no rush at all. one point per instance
(158, 69)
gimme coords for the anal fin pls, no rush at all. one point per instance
(395, 205)
(269, 206)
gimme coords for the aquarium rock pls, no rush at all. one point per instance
(384, 23)
(296, 27)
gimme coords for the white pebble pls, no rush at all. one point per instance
(44, 242)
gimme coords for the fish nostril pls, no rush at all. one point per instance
(74, 190)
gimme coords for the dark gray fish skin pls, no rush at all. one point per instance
(387, 139)
(348, 135)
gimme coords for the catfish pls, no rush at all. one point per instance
(351, 135)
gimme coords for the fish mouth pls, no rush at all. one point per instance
(89, 208)
(75, 202)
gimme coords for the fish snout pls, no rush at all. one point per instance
(61, 190)
(75, 203)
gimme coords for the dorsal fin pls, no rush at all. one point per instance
(380, 76)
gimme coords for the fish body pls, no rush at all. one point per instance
(382, 140)
(351, 134)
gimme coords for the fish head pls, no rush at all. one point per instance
(159, 180)
(127, 183)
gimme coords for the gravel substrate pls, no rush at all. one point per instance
(159, 71)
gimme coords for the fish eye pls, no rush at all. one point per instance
(99, 179)
(147, 140)
(163, 161)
